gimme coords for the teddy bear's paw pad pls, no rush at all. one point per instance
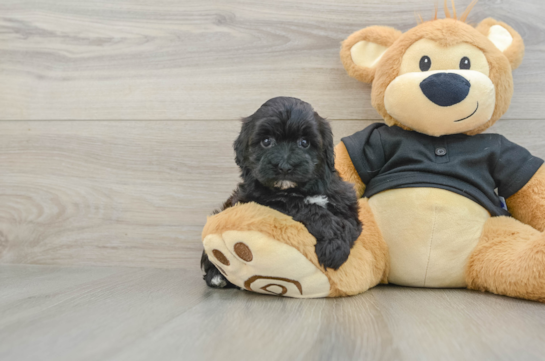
(256, 262)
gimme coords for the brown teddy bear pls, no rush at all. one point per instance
(433, 186)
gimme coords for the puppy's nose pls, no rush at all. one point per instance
(285, 167)
(445, 89)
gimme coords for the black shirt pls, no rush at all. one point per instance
(473, 166)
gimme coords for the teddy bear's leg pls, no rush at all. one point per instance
(256, 262)
(265, 251)
(509, 260)
(369, 260)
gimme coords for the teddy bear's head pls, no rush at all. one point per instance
(441, 77)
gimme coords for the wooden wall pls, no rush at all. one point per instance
(117, 116)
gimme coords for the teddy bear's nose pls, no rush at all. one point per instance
(445, 89)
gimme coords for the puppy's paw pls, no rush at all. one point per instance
(332, 254)
(253, 261)
(215, 279)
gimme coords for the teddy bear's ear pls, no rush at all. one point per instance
(505, 38)
(361, 51)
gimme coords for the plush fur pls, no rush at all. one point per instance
(509, 260)
(515, 52)
(381, 35)
(346, 169)
(528, 204)
(280, 172)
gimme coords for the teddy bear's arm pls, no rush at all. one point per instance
(346, 169)
(528, 204)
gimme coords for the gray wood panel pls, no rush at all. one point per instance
(211, 59)
(65, 313)
(131, 193)
(98, 170)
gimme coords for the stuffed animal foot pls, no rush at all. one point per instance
(259, 249)
(256, 262)
(509, 260)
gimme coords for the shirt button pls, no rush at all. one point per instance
(440, 152)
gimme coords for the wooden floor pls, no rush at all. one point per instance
(102, 313)
(117, 119)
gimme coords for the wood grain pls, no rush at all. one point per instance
(210, 59)
(131, 193)
(115, 143)
(77, 313)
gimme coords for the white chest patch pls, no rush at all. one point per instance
(321, 201)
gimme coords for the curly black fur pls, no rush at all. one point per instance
(287, 141)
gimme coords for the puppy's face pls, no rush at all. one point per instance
(284, 152)
(285, 144)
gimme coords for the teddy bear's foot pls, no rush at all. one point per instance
(509, 260)
(255, 262)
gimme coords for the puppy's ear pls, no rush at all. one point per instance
(327, 141)
(242, 142)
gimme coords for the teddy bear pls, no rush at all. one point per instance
(442, 204)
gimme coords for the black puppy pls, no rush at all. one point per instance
(285, 154)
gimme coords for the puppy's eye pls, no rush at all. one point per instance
(267, 142)
(465, 63)
(425, 63)
(303, 143)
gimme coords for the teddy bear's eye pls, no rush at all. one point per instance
(465, 63)
(425, 63)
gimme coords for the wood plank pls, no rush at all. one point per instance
(79, 313)
(56, 318)
(461, 324)
(102, 189)
(131, 193)
(211, 59)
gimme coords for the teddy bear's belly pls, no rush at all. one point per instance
(430, 234)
